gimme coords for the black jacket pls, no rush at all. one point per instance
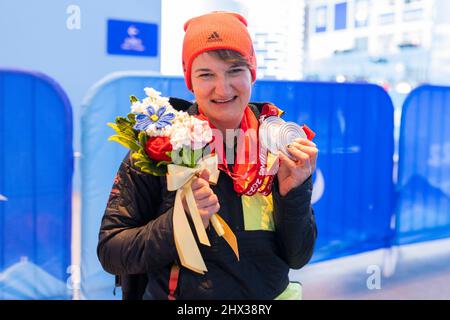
(136, 239)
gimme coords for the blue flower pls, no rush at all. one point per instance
(158, 118)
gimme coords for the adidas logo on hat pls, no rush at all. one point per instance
(213, 37)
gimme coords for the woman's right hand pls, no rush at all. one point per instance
(205, 198)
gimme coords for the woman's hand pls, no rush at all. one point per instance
(206, 200)
(293, 172)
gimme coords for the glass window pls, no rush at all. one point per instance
(386, 18)
(411, 40)
(340, 16)
(362, 13)
(321, 19)
(361, 44)
(413, 15)
(386, 42)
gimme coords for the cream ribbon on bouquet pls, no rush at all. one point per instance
(180, 178)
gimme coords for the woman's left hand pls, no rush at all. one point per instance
(293, 172)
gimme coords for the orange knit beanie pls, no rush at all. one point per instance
(214, 31)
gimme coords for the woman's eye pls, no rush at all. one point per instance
(236, 70)
(205, 75)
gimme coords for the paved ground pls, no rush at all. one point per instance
(422, 271)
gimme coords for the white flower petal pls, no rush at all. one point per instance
(150, 92)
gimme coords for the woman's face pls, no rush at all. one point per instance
(222, 89)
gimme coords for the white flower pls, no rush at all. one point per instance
(167, 131)
(146, 102)
(200, 133)
(182, 116)
(154, 100)
(152, 131)
(137, 108)
(152, 93)
(179, 136)
(163, 101)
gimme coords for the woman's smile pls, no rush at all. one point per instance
(226, 101)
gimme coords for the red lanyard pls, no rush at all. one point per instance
(248, 178)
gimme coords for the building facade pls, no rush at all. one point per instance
(385, 41)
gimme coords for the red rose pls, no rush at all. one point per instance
(157, 147)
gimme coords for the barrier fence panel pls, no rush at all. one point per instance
(353, 184)
(101, 159)
(423, 206)
(353, 188)
(36, 165)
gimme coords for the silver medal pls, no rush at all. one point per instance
(288, 133)
(275, 134)
(268, 133)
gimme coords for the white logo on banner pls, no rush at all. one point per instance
(319, 187)
(439, 155)
(373, 282)
(74, 281)
(132, 43)
(3, 198)
(73, 22)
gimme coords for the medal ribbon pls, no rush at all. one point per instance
(250, 175)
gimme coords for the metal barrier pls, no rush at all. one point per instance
(36, 168)
(101, 159)
(353, 188)
(423, 188)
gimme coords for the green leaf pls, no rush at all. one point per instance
(142, 159)
(142, 152)
(197, 154)
(133, 99)
(122, 120)
(125, 141)
(142, 163)
(125, 128)
(114, 126)
(147, 170)
(176, 157)
(132, 118)
(186, 156)
(151, 169)
(138, 156)
(143, 138)
(163, 163)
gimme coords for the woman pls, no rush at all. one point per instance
(275, 231)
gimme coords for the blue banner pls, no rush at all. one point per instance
(36, 165)
(423, 207)
(353, 188)
(101, 159)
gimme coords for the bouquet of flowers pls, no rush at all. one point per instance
(164, 141)
(159, 135)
